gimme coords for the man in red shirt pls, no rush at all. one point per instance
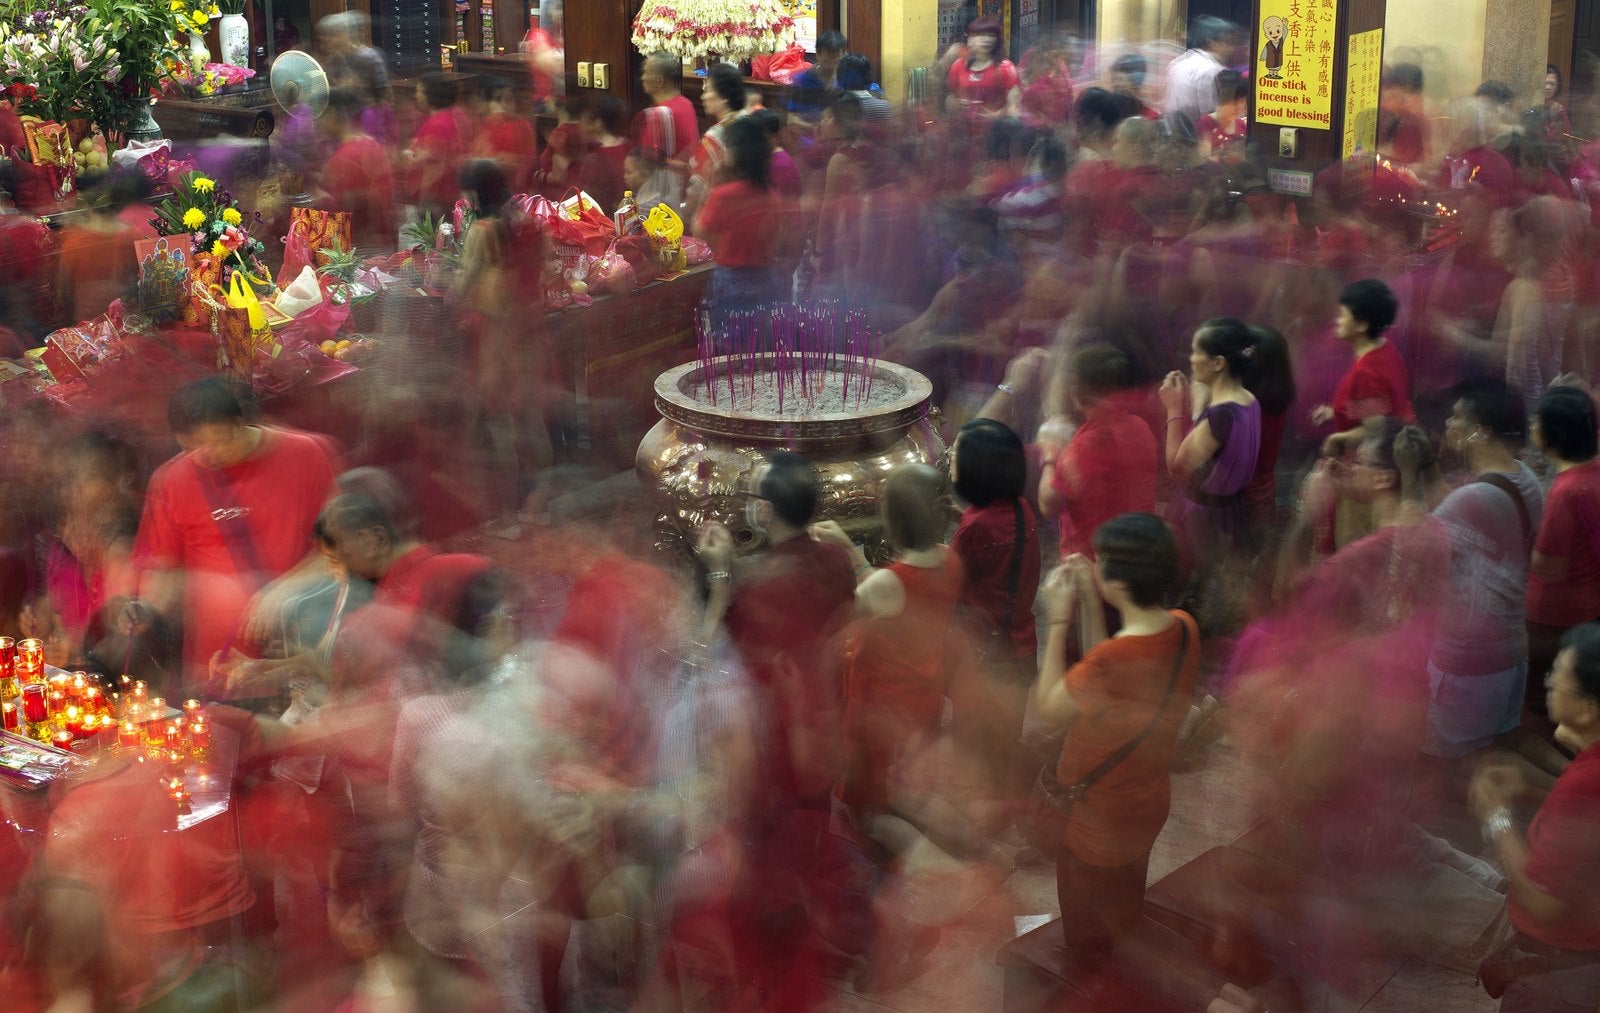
(786, 610)
(226, 516)
(670, 126)
(357, 177)
(1376, 386)
(1554, 902)
(782, 615)
(1564, 573)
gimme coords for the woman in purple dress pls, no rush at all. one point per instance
(1212, 459)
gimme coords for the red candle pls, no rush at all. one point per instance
(140, 690)
(200, 734)
(8, 658)
(73, 719)
(128, 735)
(80, 685)
(33, 702)
(94, 699)
(191, 709)
(9, 710)
(57, 700)
(158, 708)
(173, 736)
(62, 739)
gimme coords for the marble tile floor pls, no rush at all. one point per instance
(1213, 804)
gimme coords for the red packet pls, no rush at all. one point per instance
(60, 362)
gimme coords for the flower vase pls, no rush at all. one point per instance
(199, 55)
(142, 126)
(233, 35)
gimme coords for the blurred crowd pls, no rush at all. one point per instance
(1318, 476)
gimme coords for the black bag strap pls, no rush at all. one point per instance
(1110, 763)
(1015, 579)
(1509, 487)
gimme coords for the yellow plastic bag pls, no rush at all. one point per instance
(665, 230)
(664, 224)
(241, 296)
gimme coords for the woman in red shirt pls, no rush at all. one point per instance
(1132, 688)
(997, 542)
(1554, 900)
(982, 83)
(1109, 466)
(743, 220)
(439, 146)
(506, 136)
(1376, 386)
(605, 126)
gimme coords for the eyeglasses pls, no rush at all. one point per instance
(1552, 686)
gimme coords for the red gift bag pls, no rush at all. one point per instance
(594, 227)
(566, 240)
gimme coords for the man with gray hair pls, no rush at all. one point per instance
(670, 126)
(1192, 77)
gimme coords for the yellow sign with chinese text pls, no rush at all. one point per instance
(1362, 75)
(1294, 61)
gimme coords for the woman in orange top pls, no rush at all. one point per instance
(894, 681)
(1130, 688)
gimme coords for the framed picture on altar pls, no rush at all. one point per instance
(163, 276)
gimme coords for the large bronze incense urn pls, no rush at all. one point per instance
(701, 460)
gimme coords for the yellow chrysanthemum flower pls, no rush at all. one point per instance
(199, 18)
(194, 218)
(177, 5)
(219, 250)
(216, 11)
(203, 184)
(232, 216)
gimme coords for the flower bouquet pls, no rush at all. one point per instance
(725, 29)
(97, 60)
(183, 81)
(220, 244)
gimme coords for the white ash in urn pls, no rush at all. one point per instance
(833, 392)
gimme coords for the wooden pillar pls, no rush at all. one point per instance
(603, 33)
(865, 31)
(1303, 105)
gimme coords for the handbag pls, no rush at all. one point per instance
(1518, 956)
(1053, 802)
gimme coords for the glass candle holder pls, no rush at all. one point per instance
(9, 712)
(30, 660)
(34, 706)
(128, 735)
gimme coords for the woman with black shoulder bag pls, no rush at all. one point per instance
(1102, 804)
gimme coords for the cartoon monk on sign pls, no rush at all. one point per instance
(1274, 28)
